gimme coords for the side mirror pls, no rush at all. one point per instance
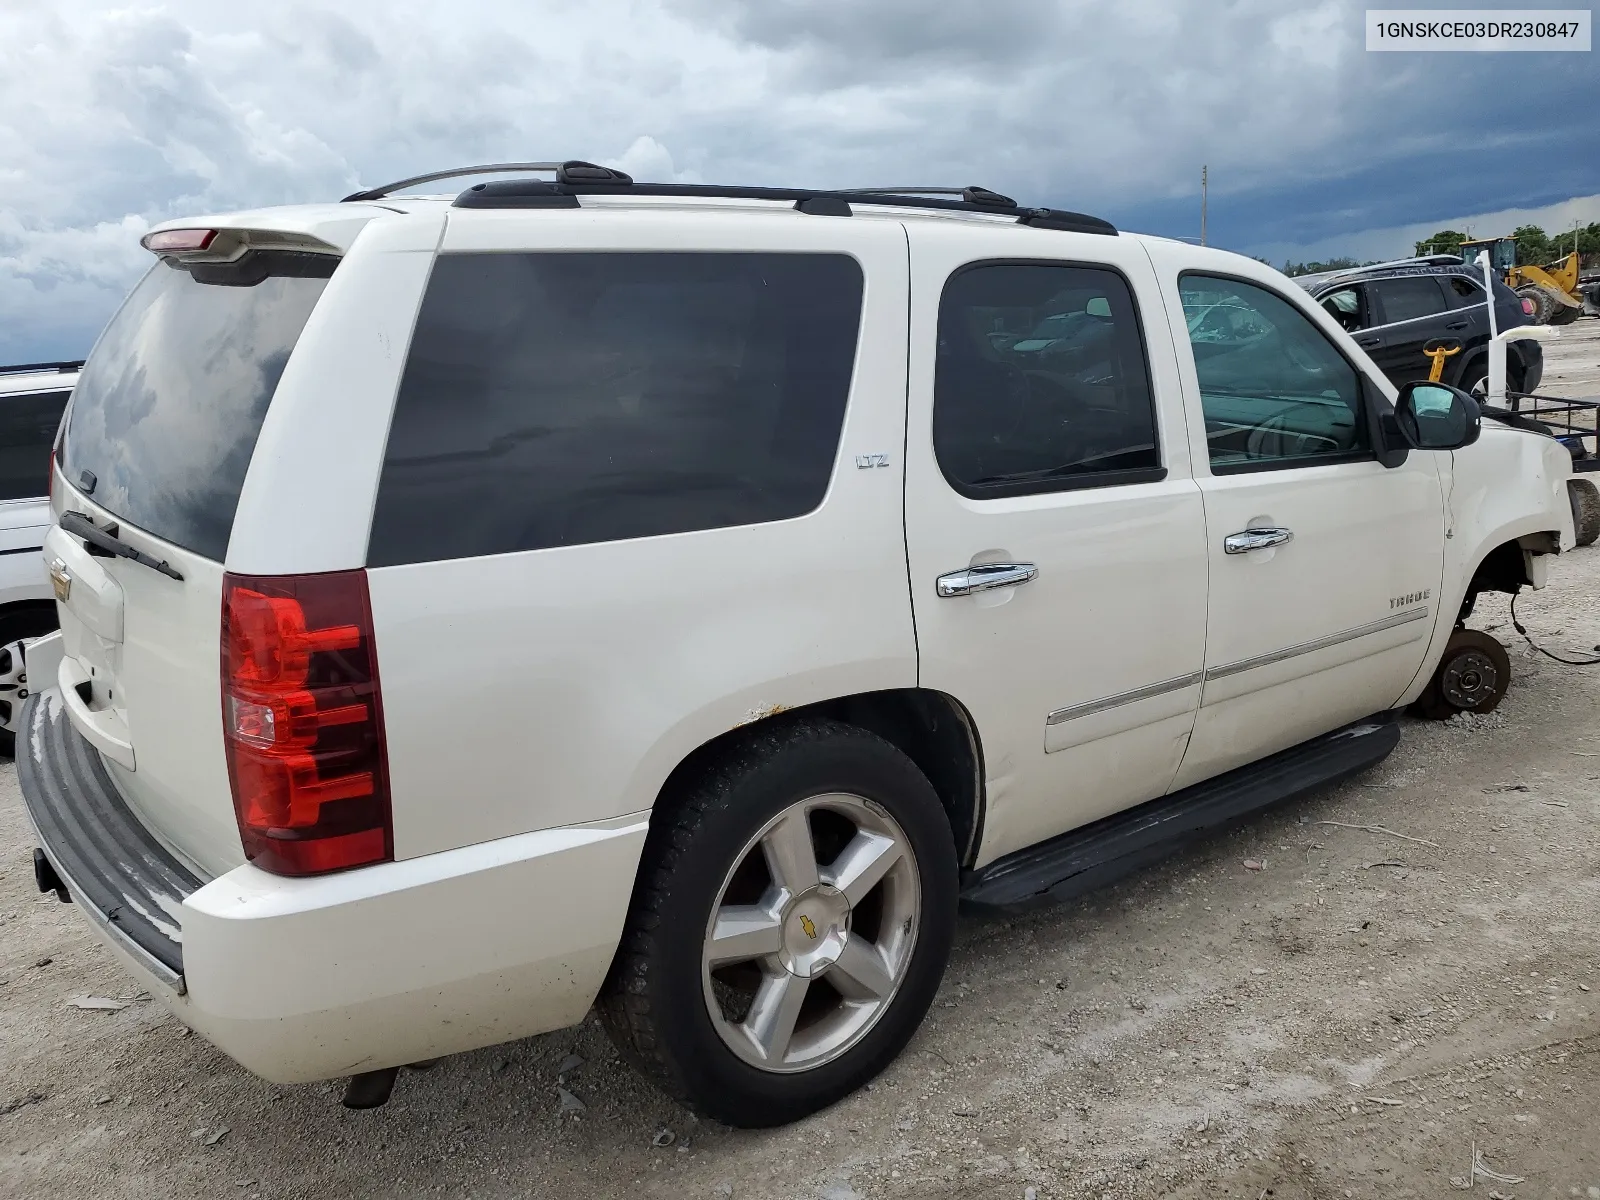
(1435, 416)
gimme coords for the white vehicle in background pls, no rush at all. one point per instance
(679, 598)
(32, 397)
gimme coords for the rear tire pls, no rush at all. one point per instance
(757, 1034)
(1472, 676)
(1584, 497)
(1542, 304)
(1565, 314)
(15, 629)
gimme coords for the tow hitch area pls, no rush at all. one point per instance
(44, 874)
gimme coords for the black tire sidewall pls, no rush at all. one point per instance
(1584, 498)
(818, 761)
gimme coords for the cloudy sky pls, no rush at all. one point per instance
(116, 116)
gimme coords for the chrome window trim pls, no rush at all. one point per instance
(1072, 712)
(1333, 639)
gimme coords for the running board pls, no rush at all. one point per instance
(1066, 867)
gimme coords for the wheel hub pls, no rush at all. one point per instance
(816, 926)
(1469, 679)
(13, 685)
(811, 933)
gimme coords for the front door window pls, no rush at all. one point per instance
(1274, 390)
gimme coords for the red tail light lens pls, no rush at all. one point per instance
(178, 241)
(1527, 307)
(303, 722)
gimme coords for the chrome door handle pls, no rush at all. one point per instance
(984, 577)
(1262, 537)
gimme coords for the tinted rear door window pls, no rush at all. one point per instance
(1041, 383)
(166, 413)
(1408, 299)
(27, 430)
(556, 399)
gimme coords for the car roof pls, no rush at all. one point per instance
(1389, 271)
(577, 184)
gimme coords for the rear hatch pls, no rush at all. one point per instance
(158, 437)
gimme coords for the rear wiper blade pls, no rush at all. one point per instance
(107, 540)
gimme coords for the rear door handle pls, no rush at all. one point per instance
(1457, 325)
(984, 577)
(1261, 537)
(1368, 341)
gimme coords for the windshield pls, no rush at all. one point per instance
(165, 416)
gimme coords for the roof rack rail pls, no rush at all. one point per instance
(378, 193)
(1421, 260)
(569, 172)
(61, 368)
(576, 179)
(972, 194)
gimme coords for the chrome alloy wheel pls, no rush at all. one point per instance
(811, 933)
(13, 685)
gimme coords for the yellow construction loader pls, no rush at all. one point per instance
(1552, 289)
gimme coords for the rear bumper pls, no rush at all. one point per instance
(128, 884)
(1532, 354)
(304, 979)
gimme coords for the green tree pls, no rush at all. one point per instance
(1534, 246)
(1446, 241)
(1316, 268)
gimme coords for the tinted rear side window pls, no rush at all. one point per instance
(27, 430)
(1406, 299)
(166, 413)
(1041, 382)
(555, 399)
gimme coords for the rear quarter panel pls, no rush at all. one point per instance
(559, 686)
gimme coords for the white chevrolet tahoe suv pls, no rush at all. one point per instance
(32, 397)
(679, 599)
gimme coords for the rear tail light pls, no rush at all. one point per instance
(303, 722)
(1527, 306)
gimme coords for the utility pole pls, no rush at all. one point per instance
(1202, 205)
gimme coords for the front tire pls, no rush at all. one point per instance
(789, 927)
(1585, 500)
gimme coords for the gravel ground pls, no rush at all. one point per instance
(1301, 1008)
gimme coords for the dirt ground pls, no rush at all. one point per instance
(1356, 1018)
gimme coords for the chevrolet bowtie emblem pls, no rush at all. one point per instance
(811, 930)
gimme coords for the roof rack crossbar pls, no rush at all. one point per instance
(378, 193)
(60, 368)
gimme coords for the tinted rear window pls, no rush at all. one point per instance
(166, 413)
(28, 426)
(554, 399)
(1407, 299)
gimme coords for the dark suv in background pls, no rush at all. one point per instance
(1395, 309)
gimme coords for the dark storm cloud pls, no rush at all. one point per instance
(114, 118)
